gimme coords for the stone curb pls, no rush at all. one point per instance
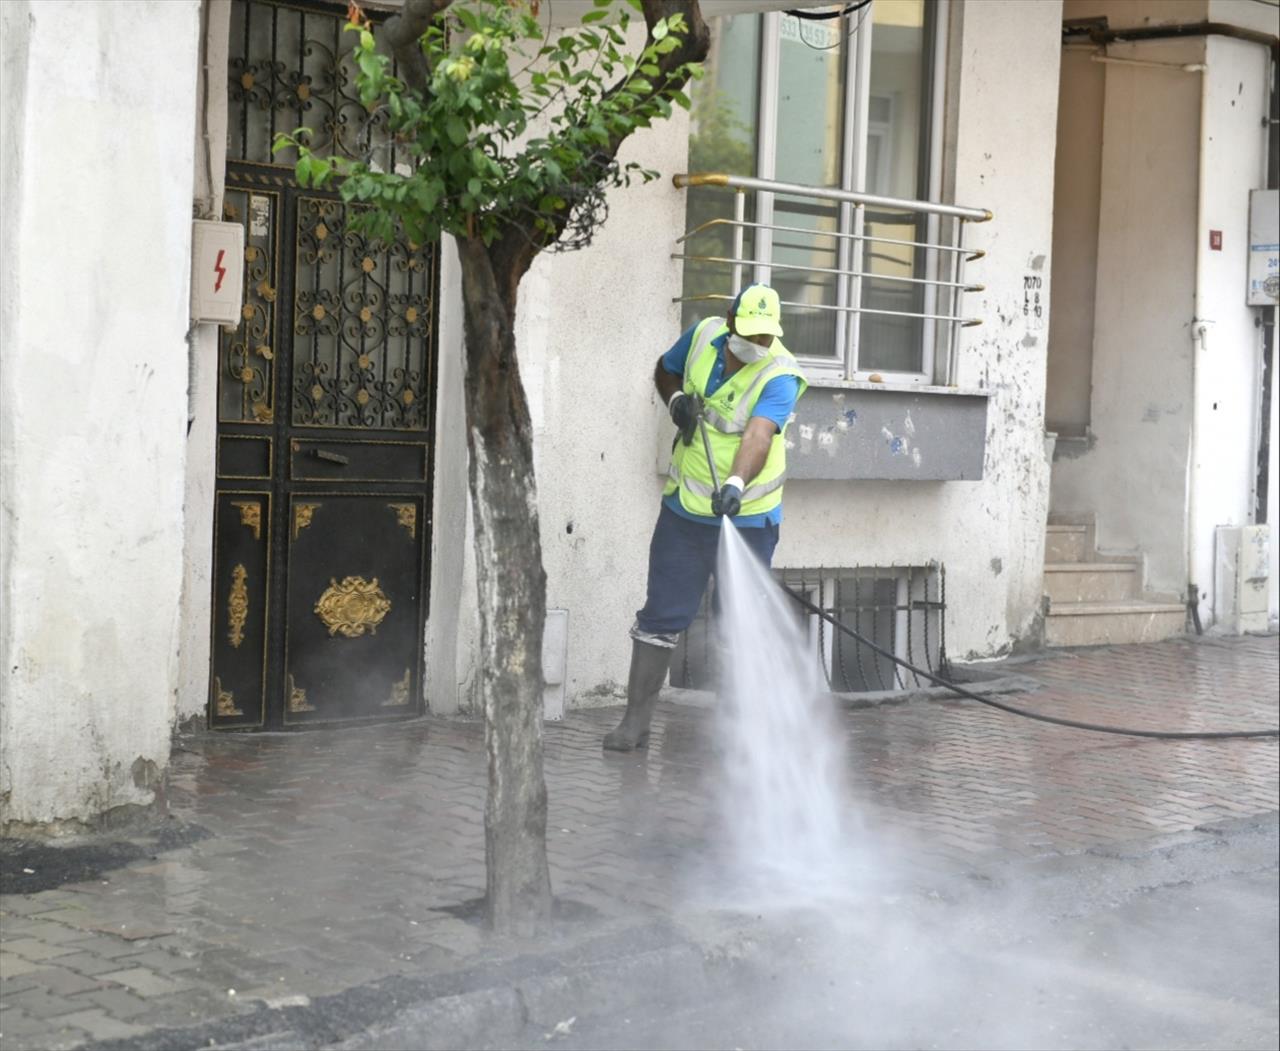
(486, 1005)
(496, 1017)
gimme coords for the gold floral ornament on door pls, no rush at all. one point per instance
(353, 607)
(237, 606)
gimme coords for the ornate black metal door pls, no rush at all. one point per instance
(323, 511)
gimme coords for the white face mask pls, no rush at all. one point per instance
(746, 351)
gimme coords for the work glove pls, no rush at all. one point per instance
(684, 414)
(727, 500)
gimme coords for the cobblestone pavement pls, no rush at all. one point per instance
(336, 858)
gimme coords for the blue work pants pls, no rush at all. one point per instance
(682, 558)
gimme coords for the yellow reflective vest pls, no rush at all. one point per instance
(727, 412)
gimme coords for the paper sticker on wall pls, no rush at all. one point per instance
(259, 215)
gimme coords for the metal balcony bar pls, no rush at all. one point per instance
(828, 270)
(858, 200)
(716, 297)
(970, 254)
(931, 279)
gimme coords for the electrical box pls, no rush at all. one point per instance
(1242, 573)
(217, 272)
(1264, 248)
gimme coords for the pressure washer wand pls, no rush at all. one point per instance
(706, 445)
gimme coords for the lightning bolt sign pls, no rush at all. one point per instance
(219, 269)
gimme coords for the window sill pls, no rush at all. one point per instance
(821, 382)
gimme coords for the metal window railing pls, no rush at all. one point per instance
(873, 287)
(901, 608)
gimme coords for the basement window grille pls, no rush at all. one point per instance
(899, 608)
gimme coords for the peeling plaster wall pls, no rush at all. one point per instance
(93, 384)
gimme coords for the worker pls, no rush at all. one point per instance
(736, 375)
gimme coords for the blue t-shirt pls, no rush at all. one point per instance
(776, 402)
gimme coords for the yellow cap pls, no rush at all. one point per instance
(757, 312)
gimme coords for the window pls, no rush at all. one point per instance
(846, 103)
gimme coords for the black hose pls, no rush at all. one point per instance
(826, 16)
(961, 691)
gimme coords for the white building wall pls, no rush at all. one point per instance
(1273, 496)
(1229, 358)
(1077, 185)
(93, 384)
(592, 324)
(452, 625)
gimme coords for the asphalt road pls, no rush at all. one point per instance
(1175, 949)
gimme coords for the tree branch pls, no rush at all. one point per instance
(513, 253)
(400, 35)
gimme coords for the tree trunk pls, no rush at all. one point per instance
(512, 597)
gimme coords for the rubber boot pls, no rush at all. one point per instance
(648, 672)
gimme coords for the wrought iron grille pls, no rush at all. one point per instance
(290, 68)
(900, 608)
(247, 387)
(354, 318)
(362, 325)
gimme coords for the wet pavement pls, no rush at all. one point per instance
(326, 860)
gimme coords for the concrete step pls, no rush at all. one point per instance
(1112, 623)
(1092, 581)
(1066, 543)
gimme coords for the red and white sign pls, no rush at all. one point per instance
(217, 272)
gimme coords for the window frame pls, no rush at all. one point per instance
(856, 126)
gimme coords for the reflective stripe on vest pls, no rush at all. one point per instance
(752, 492)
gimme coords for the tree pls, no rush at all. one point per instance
(513, 140)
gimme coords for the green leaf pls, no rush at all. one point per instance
(426, 195)
(456, 129)
(302, 169)
(659, 29)
(598, 15)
